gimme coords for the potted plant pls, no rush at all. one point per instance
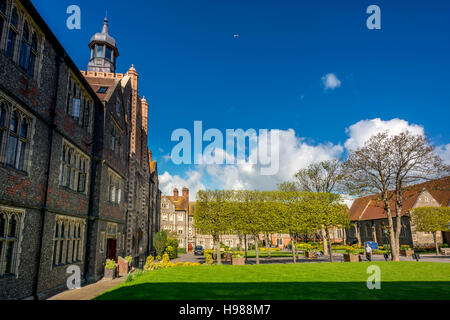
(110, 269)
(406, 251)
(237, 259)
(227, 256)
(352, 256)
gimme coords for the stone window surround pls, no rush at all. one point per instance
(67, 240)
(20, 216)
(115, 195)
(79, 156)
(23, 17)
(74, 87)
(11, 107)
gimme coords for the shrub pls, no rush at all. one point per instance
(110, 264)
(129, 259)
(444, 245)
(149, 263)
(353, 251)
(179, 264)
(181, 250)
(208, 251)
(172, 242)
(196, 264)
(209, 260)
(158, 258)
(187, 264)
(160, 242)
(171, 252)
(129, 278)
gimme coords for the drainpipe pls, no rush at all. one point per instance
(58, 59)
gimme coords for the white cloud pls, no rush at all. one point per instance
(167, 183)
(295, 153)
(330, 81)
(444, 152)
(361, 131)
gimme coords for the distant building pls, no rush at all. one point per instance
(370, 221)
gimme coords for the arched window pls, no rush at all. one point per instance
(15, 17)
(86, 113)
(2, 122)
(12, 139)
(3, 6)
(12, 35)
(9, 236)
(2, 17)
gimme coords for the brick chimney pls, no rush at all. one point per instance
(175, 194)
(186, 193)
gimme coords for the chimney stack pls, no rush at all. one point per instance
(186, 193)
(175, 194)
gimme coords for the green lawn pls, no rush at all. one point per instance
(399, 280)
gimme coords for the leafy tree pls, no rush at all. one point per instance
(431, 219)
(326, 176)
(160, 242)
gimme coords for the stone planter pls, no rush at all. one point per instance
(351, 257)
(406, 253)
(310, 254)
(227, 256)
(124, 267)
(237, 261)
(109, 274)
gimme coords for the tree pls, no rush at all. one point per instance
(369, 171)
(329, 213)
(325, 176)
(431, 219)
(288, 187)
(212, 216)
(413, 160)
(386, 165)
(160, 242)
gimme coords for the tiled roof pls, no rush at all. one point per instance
(371, 207)
(181, 205)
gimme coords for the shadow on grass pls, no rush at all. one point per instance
(280, 291)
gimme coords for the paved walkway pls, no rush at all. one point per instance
(88, 292)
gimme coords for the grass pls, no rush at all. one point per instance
(399, 280)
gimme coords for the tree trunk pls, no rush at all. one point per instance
(217, 246)
(435, 242)
(398, 209)
(245, 247)
(394, 251)
(293, 248)
(358, 236)
(267, 245)
(324, 241)
(344, 236)
(327, 232)
(240, 241)
(256, 248)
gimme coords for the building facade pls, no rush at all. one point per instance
(70, 157)
(370, 222)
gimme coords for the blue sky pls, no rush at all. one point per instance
(193, 68)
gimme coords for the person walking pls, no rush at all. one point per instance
(368, 252)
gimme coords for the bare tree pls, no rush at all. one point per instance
(325, 176)
(369, 170)
(385, 165)
(413, 161)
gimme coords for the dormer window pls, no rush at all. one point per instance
(108, 53)
(102, 90)
(99, 51)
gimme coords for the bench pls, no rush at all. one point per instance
(445, 251)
